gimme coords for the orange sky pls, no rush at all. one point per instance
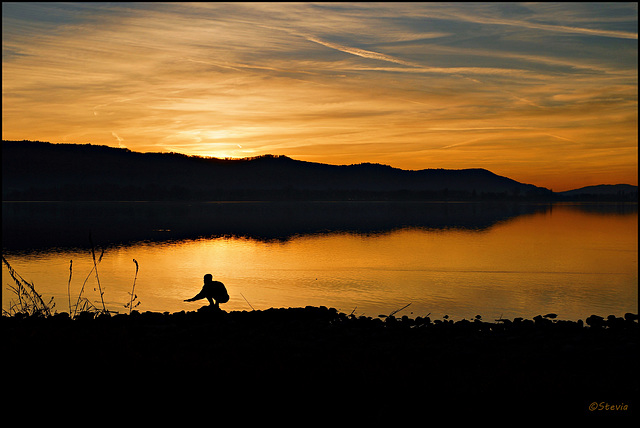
(542, 93)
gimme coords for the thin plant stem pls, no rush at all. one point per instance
(134, 287)
(398, 310)
(82, 291)
(95, 265)
(69, 284)
(245, 299)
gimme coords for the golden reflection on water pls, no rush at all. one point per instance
(566, 261)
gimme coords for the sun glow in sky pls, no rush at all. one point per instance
(544, 93)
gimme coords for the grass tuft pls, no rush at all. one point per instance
(29, 301)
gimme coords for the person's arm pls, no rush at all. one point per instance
(198, 296)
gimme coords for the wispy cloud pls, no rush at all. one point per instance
(548, 27)
(361, 52)
(553, 17)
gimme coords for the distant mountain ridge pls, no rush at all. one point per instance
(45, 171)
(602, 189)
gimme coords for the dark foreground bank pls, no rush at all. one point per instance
(317, 361)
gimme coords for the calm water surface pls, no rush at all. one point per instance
(444, 259)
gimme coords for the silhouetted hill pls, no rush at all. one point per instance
(45, 171)
(603, 192)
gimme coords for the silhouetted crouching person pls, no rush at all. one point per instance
(214, 291)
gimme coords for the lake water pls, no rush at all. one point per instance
(367, 258)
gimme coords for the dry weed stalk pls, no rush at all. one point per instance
(29, 302)
(133, 296)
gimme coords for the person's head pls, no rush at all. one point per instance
(208, 278)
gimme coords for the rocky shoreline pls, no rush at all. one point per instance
(316, 359)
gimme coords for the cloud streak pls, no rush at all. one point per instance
(361, 52)
(549, 27)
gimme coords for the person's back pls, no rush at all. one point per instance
(217, 291)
